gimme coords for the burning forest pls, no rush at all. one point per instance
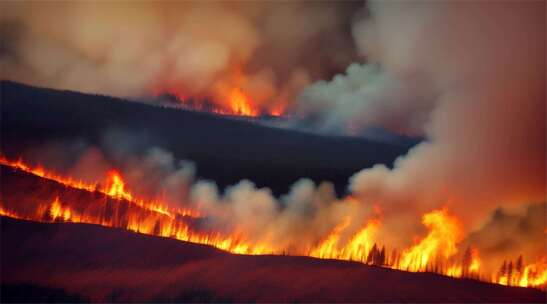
(402, 141)
(115, 206)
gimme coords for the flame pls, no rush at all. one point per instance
(128, 212)
(361, 243)
(4, 212)
(58, 211)
(231, 95)
(240, 103)
(471, 271)
(116, 186)
(356, 249)
(475, 265)
(443, 236)
(534, 274)
(231, 101)
(115, 206)
(327, 248)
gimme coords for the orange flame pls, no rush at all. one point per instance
(443, 236)
(115, 188)
(121, 209)
(534, 274)
(231, 95)
(361, 243)
(475, 262)
(470, 270)
(327, 248)
(240, 103)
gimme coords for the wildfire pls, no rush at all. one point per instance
(443, 236)
(231, 101)
(327, 248)
(361, 243)
(115, 206)
(469, 268)
(57, 211)
(358, 248)
(232, 95)
(534, 274)
(518, 274)
(240, 103)
(115, 187)
(4, 212)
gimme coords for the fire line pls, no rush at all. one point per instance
(433, 253)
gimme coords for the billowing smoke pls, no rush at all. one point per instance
(292, 223)
(504, 231)
(366, 96)
(471, 78)
(468, 76)
(190, 49)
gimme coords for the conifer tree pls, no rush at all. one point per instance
(382, 257)
(510, 273)
(503, 270)
(466, 262)
(371, 258)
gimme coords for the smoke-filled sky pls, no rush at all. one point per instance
(191, 49)
(467, 76)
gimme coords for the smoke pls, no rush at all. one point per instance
(504, 231)
(293, 223)
(189, 49)
(468, 76)
(366, 96)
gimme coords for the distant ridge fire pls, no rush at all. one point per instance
(235, 103)
(37, 194)
(228, 98)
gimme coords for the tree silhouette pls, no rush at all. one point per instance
(503, 270)
(382, 257)
(371, 255)
(510, 273)
(518, 268)
(394, 259)
(466, 262)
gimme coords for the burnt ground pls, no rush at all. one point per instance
(65, 262)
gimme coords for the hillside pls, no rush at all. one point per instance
(224, 149)
(86, 262)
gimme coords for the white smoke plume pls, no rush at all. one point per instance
(470, 77)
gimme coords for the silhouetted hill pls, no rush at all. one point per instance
(73, 262)
(225, 149)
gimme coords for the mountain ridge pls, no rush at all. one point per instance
(225, 150)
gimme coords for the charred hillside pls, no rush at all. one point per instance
(88, 262)
(224, 149)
